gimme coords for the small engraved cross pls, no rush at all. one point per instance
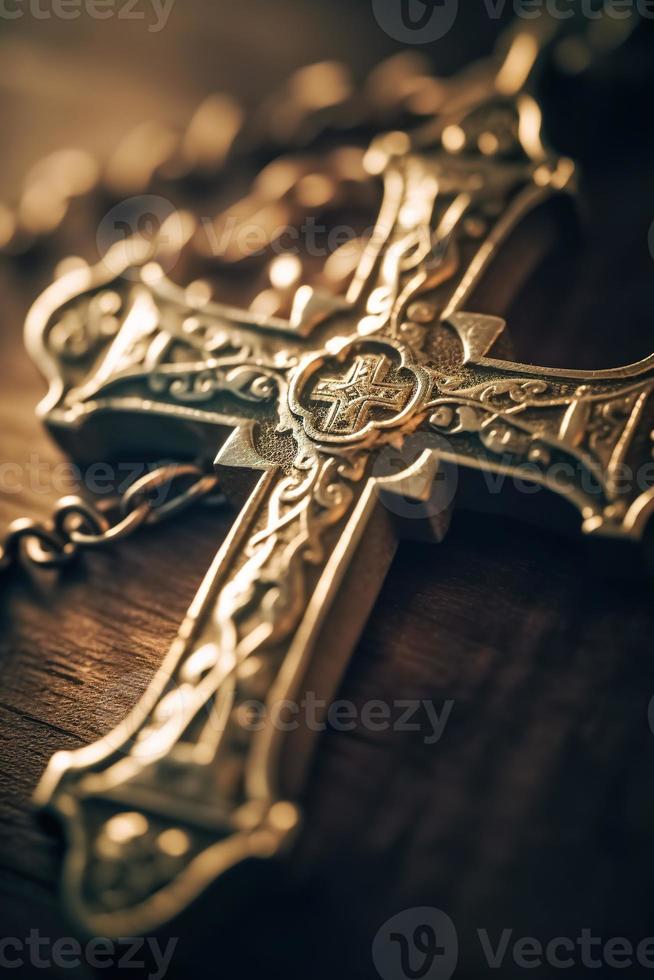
(365, 387)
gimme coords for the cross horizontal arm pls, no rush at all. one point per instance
(124, 339)
(587, 435)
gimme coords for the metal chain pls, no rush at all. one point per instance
(76, 524)
(399, 91)
(220, 136)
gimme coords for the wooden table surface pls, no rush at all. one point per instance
(534, 812)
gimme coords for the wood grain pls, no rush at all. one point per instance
(534, 811)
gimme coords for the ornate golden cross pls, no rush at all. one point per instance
(187, 787)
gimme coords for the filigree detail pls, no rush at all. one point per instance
(260, 604)
(517, 392)
(494, 433)
(132, 856)
(301, 509)
(587, 430)
(486, 409)
(82, 329)
(252, 383)
(607, 419)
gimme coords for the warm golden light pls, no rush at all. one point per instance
(454, 139)
(284, 271)
(517, 65)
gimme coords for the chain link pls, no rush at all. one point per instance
(76, 524)
(398, 93)
(220, 137)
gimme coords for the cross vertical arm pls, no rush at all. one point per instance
(207, 770)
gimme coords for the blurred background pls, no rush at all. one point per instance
(538, 818)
